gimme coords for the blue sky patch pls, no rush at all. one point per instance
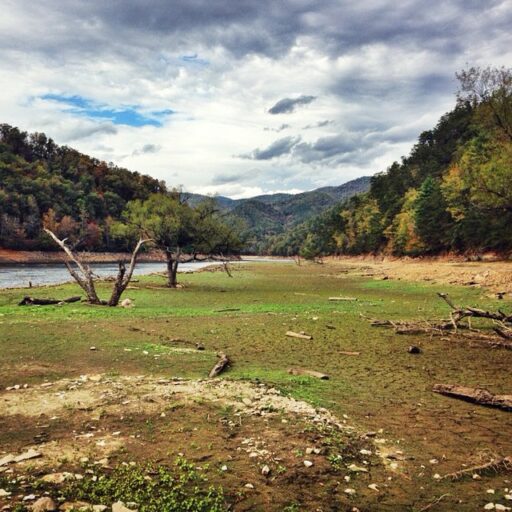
(126, 115)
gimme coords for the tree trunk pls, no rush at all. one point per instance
(172, 269)
(123, 276)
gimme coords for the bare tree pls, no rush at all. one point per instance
(492, 86)
(84, 275)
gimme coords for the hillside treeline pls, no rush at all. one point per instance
(43, 183)
(452, 193)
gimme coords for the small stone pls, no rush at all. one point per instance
(224, 468)
(4, 493)
(357, 469)
(508, 497)
(75, 505)
(119, 506)
(489, 506)
(434, 461)
(349, 491)
(249, 486)
(44, 505)
(127, 303)
(476, 476)
(99, 508)
(309, 451)
(499, 506)
(29, 497)
(413, 349)
(373, 487)
(247, 401)
(437, 476)
(265, 470)
(490, 491)
(253, 455)
(308, 463)
(93, 348)
(365, 452)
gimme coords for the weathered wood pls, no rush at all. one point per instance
(299, 335)
(342, 298)
(475, 395)
(220, 366)
(309, 373)
(494, 466)
(33, 301)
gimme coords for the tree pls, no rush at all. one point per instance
(491, 90)
(84, 275)
(431, 217)
(183, 233)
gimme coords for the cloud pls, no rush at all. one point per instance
(277, 129)
(103, 76)
(146, 149)
(278, 148)
(319, 124)
(288, 105)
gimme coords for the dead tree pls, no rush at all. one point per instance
(84, 275)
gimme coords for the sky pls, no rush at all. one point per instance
(242, 97)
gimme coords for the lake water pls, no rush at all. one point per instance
(19, 275)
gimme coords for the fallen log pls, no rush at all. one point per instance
(475, 395)
(220, 366)
(309, 373)
(494, 466)
(300, 335)
(33, 301)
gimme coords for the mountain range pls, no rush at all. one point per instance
(272, 214)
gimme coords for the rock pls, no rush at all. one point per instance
(265, 470)
(127, 303)
(93, 348)
(249, 486)
(99, 508)
(349, 491)
(43, 505)
(30, 454)
(308, 463)
(224, 468)
(413, 349)
(499, 506)
(67, 506)
(4, 493)
(29, 497)
(373, 487)
(489, 506)
(119, 506)
(365, 452)
(247, 401)
(57, 478)
(357, 469)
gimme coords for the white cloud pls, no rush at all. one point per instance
(380, 86)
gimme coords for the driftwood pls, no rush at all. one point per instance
(475, 395)
(300, 335)
(220, 366)
(502, 337)
(494, 466)
(309, 373)
(33, 301)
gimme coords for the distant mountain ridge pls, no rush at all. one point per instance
(272, 214)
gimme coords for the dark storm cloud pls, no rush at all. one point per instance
(288, 105)
(278, 148)
(265, 27)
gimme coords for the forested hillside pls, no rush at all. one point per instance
(41, 181)
(452, 193)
